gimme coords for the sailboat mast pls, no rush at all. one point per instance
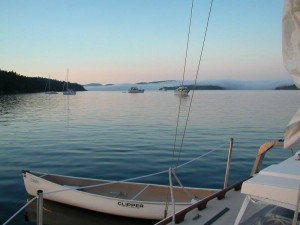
(67, 78)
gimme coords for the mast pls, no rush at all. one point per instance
(67, 78)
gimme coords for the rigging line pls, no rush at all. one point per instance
(187, 43)
(16, 213)
(195, 82)
(201, 156)
(129, 179)
(183, 77)
(180, 99)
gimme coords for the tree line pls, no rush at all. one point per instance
(13, 83)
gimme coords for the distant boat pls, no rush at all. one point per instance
(68, 91)
(48, 88)
(181, 90)
(135, 90)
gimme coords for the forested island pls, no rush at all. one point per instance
(288, 87)
(13, 83)
(215, 87)
(195, 87)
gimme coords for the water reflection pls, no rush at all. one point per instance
(7, 105)
(59, 214)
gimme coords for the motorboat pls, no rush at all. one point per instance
(181, 90)
(135, 90)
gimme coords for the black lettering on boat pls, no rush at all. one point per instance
(131, 205)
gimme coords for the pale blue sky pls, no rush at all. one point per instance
(117, 41)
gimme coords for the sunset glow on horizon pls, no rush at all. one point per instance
(113, 41)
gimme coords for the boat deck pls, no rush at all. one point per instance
(275, 188)
(218, 212)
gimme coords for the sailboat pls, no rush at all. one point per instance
(273, 193)
(68, 91)
(48, 88)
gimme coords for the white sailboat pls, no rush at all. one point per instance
(48, 88)
(68, 91)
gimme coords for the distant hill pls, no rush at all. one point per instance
(93, 84)
(287, 87)
(13, 83)
(201, 85)
(196, 87)
(156, 82)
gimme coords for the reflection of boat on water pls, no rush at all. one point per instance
(68, 91)
(59, 214)
(48, 88)
(135, 90)
(181, 90)
(137, 200)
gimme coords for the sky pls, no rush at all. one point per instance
(129, 41)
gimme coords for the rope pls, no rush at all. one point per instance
(195, 82)
(16, 213)
(183, 77)
(179, 107)
(201, 156)
(109, 183)
(136, 178)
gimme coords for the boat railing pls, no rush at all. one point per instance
(200, 205)
(178, 217)
(264, 148)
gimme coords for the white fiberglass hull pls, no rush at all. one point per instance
(111, 205)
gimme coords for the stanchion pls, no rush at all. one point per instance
(39, 220)
(228, 163)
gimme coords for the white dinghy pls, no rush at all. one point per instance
(128, 199)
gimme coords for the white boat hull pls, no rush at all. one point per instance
(69, 92)
(104, 204)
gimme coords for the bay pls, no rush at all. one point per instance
(116, 136)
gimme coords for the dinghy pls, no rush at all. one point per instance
(137, 200)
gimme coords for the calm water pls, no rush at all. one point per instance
(114, 135)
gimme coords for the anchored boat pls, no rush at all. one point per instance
(137, 200)
(181, 90)
(68, 91)
(135, 90)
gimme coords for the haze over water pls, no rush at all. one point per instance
(115, 136)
